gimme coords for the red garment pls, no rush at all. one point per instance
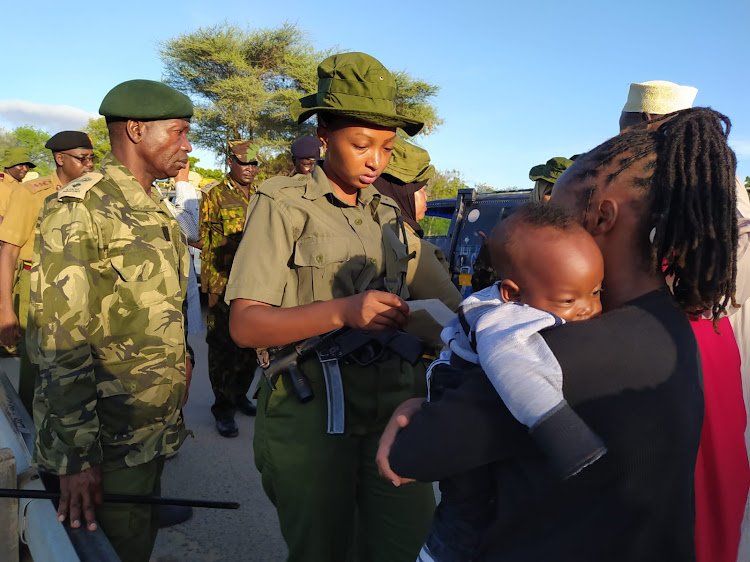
(722, 473)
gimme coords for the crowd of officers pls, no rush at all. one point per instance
(97, 264)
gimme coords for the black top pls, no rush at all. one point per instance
(634, 376)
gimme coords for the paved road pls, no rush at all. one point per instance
(211, 466)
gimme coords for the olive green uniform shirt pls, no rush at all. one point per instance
(302, 244)
(106, 325)
(18, 225)
(428, 276)
(222, 218)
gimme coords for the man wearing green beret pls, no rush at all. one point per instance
(222, 219)
(16, 164)
(73, 157)
(107, 321)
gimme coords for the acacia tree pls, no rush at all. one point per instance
(97, 131)
(33, 139)
(242, 83)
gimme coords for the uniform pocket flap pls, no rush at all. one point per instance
(233, 219)
(319, 252)
(136, 265)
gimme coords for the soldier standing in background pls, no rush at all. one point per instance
(16, 165)
(73, 155)
(222, 219)
(107, 321)
(305, 153)
(544, 177)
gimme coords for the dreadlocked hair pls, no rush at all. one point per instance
(688, 174)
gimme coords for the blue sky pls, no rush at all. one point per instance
(519, 82)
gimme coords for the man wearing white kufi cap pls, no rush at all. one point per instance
(722, 471)
(648, 100)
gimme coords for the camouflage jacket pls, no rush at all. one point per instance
(106, 325)
(222, 219)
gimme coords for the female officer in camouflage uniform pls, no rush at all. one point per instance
(320, 252)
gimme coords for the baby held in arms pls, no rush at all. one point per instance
(551, 272)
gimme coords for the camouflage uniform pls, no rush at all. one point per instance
(17, 228)
(302, 244)
(106, 327)
(222, 218)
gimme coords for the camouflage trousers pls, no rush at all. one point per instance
(230, 368)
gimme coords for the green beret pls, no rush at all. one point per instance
(355, 85)
(65, 140)
(146, 100)
(244, 150)
(550, 171)
(17, 155)
(409, 163)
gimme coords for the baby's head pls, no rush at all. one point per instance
(547, 260)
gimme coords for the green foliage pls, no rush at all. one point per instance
(412, 100)
(210, 173)
(278, 165)
(444, 185)
(243, 81)
(33, 139)
(96, 129)
(747, 181)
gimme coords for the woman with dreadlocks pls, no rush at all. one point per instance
(656, 196)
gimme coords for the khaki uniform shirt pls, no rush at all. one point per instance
(106, 325)
(7, 185)
(222, 218)
(18, 225)
(428, 276)
(302, 244)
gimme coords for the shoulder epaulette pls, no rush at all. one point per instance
(78, 188)
(209, 186)
(37, 185)
(272, 186)
(385, 200)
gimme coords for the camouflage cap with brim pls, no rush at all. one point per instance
(146, 100)
(355, 85)
(245, 150)
(409, 163)
(550, 171)
(17, 155)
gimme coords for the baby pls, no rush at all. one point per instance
(552, 272)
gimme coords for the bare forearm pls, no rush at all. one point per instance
(254, 324)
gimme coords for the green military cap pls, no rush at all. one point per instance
(146, 100)
(409, 163)
(550, 171)
(17, 155)
(355, 85)
(245, 150)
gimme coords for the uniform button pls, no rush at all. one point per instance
(319, 258)
(358, 222)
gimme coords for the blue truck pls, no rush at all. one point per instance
(469, 214)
